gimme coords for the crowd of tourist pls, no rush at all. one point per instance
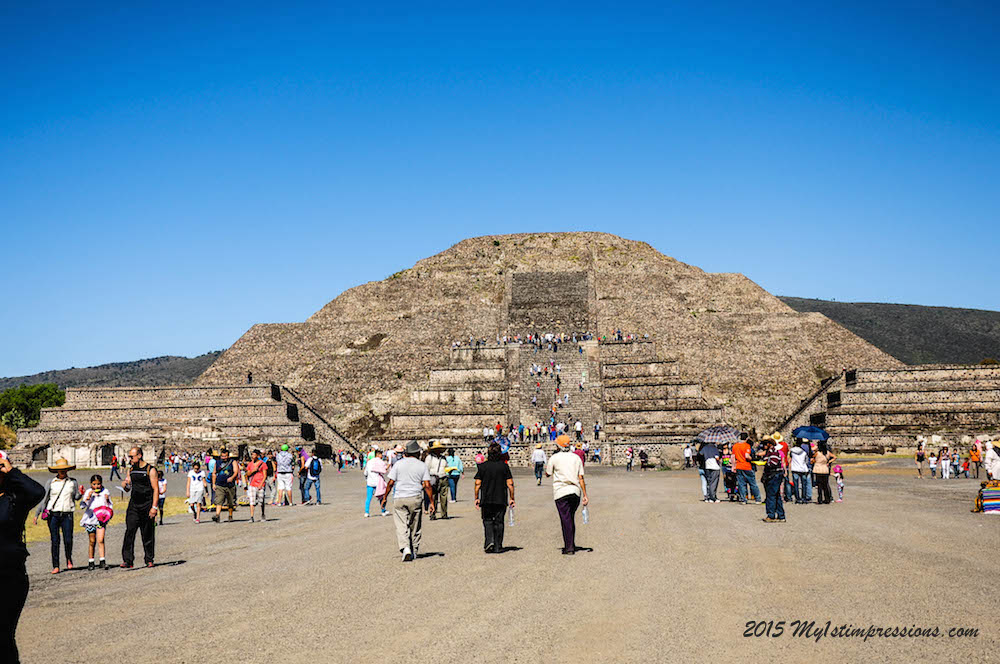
(952, 462)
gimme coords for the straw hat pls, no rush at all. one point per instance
(538, 446)
(776, 437)
(61, 464)
(435, 446)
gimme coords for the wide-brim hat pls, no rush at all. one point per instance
(538, 446)
(435, 446)
(412, 447)
(61, 464)
(563, 441)
(777, 437)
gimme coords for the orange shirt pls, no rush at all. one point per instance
(741, 451)
(256, 478)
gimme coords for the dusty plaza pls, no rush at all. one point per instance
(669, 578)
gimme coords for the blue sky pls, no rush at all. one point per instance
(172, 173)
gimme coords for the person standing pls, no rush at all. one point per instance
(18, 494)
(97, 511)
(821, 470)
(196, 484)
(227, 473)
(919, 459)
(688, 452)
(538, 458)
(114, 468)
(314, 467)
(286, 469)
(494, 492)
(256, 477)
(270, 480)
(568, 489)
(799, 467)
(303, 468)
(710, 453)
(410, 479)
(745, 477)
(976, 456)
(143, 483)
(436, 465)
(57, 508)
(456, 469)
(375, 471)
(991, 462)
(773, 477)
(629, 457)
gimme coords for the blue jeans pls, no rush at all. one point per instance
(772, 487)
(305, 492)
(453, 486)
(61, 523)
(803, 487)
(743, 478)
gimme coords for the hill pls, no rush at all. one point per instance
(915, 334)
(359, 357)
(166, 370)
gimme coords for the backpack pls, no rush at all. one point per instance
(315, 466)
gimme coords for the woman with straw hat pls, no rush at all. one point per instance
(57, 508)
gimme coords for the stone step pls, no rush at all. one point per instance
(467, 376)
(155, 403)
(54, 416)
(168, 393)
(935, 373)
(916, 420)
(961, 396)
(627, 393)
(914, 408)
(639, 370)
(458, 396)
(664, 416)
(290, 431)
(924, 385)
(640, 405)
(492, 355)
(687, 429)
(139, 423)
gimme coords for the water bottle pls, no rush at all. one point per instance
(511, 520)
(586, 514)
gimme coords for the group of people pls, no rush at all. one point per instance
(788, 472)
(952, 462)
(420, 482)
(537, 340)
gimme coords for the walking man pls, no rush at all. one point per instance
(568, 489)
(494, 491)
(140, 516)
(409, 477)
(436, 465)
(285, 461)
(538, 457)
(224, 480)
(114, 468)
(256, 477)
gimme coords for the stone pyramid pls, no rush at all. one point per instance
(361, 357)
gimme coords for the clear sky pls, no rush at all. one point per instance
(172, 173)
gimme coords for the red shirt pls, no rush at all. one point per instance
(256, 473)
(579, 453)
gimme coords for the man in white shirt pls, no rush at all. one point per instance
(687, 455)
(538, 458)
(578, 426)
(568, 489)
(409, 477)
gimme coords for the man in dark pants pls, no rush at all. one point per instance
(568, 489)
(142, 481)
(18, 494)
(494, 484)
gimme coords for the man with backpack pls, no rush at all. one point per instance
(313, 469)
(224, 479)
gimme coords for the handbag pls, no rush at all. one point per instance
(45, 512)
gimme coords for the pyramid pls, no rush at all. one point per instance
(367, 354)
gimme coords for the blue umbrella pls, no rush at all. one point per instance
(811, 433)
(722, 433)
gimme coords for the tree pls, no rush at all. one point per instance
(7, 436)
(26, 403)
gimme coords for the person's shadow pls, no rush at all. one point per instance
(505, 549)
(430, 554)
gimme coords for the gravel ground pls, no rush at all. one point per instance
(669, 578)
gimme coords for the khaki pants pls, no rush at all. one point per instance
(441, 499)
(407, 514)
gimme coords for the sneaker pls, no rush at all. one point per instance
(149, 565)
(782, 520)
(769, 520)
(407, 556)
(215, 517)
(489, 548)
(90, 566)
(366, 515)
(716, 501)
(839, 500)
(197, 520)
(125, 566)
(251, 520)
(104, 564)
(568, 552)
